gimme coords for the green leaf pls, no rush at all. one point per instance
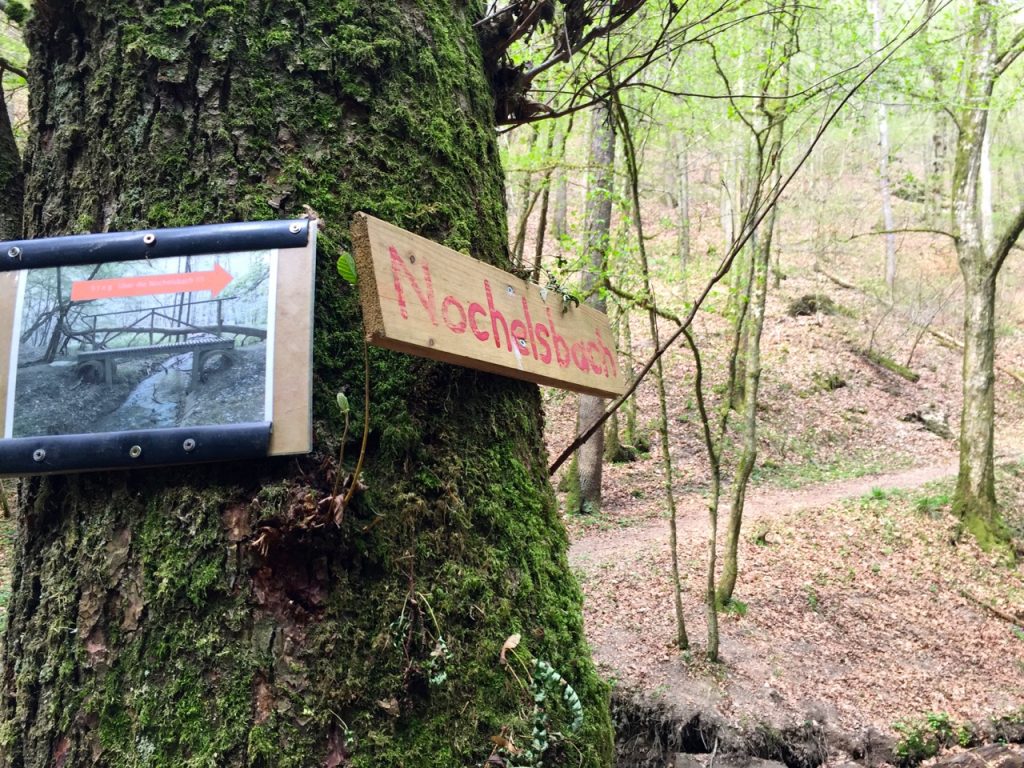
(347, 268)
(343, 404)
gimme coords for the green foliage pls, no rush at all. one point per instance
(347, 268)
(923, 738)
(828, 382)
(933, 505)
(16, 11)
(891, 365)
(734, 607)
(813, 600)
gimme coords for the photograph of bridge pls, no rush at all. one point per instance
(139, 345)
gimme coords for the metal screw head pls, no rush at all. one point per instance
(135, 451)
(295, 228)
(14, 252)
(39, 455)
(149, 238)
(189, 445)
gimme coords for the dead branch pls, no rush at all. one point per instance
(1016, 619)
(943, 338)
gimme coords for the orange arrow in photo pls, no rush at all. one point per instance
(213, 281)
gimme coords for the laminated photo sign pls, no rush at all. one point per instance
(157, 347)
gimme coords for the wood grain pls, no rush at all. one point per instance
(293, 351)
(425, 299)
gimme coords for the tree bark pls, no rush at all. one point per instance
(682, 158)
(11, 181)
(974, 500)
(600, 188)
(888, 223)
(212, 615)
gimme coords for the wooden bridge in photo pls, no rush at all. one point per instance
(103, 362)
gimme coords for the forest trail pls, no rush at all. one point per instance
(762, 504)
(835, 583)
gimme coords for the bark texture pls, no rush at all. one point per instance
(214, 615)
(600, 187)
(975, 500)
(11, 184)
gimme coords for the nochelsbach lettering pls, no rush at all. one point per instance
(521, 335)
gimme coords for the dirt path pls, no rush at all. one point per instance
(771, 504)
(852, 614)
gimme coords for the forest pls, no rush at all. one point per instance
(795, 540)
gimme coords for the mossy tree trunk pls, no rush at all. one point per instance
(980, 259)
(11, 185)
(597, 237)
(145, 627)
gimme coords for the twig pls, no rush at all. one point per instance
(366, 426)
(943, 338)
(1013, 618)
(7, 66)
(730, 256)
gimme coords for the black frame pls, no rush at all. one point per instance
(144, 448)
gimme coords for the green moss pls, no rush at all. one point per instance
(324, 640)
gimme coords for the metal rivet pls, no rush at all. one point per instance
(149, 239)
(189, 445)
(295, 228)
(412, 258)
(14, 252)
(510, 291)
(135, 452)
(430, 342)
(39, 455)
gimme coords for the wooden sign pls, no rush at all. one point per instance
(151, 348)
(422, 298)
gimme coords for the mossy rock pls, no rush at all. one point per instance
(812, 304)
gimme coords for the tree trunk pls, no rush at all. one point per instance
(11, 188)
(888, 222)
(683, 205)
(590, 460)
(975, 491)
(211, 615)
(975, 500)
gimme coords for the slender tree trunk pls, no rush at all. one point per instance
(975, 491)
(714, 495)
(590, 460)
(545, 198)
(11, 181)
(213, 615)
(560, 218)
(527, 199)
(682, 641)
(682, 158)
(629, 409)
(754, 325)
(768, 145)
(975, 499)
(888, 222)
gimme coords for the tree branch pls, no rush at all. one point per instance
(1009, 238)
(7, 66)
(925, 230)
(1013, 50)
(737, 246)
